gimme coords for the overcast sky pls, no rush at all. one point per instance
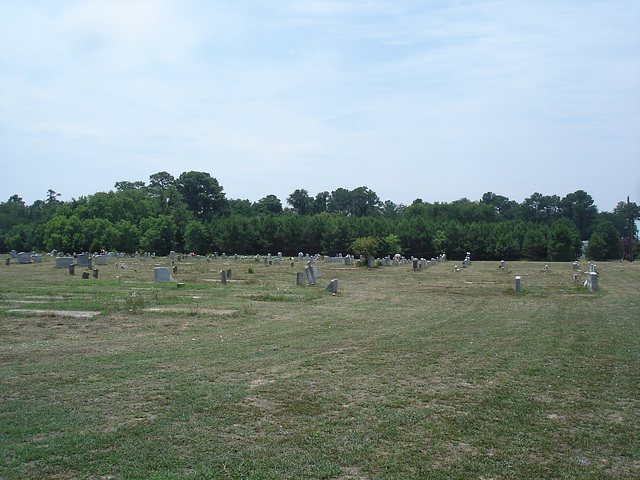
(436, 100)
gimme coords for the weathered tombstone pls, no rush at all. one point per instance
(518, 284)
(85, 275)
(576, 265)
(82, 260)
(224, 256)
(215, 255)
(24, 257)
(90, 263)
(175, 269)
(14, 254)
(72, 269)
(347, 260)
(229, 273)
(37, 258)
(172, 255)
(575, 277)
(162, 274)
(266, 261)
(223, 277)
(7, 261)
(300, 279)
(333, 286)
(546, 269)
(316, 273)
(593, 281)
(100, 260)
(95, 273)
(309, 275)
(371, 262)
(415, 264)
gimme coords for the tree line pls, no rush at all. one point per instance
(191, 213)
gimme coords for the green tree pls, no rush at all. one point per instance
(339, 201)
(269, 205)
(609, 236)
(300, 201)
(202, 194)
(597, 248)
(158, 234)
(564, 241)
(580, 208)
(365, 246)
(197, 238)
(536, 242)
(364, 202)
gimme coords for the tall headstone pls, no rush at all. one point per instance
(415, 264)
(82, 260)
(223, 277)
(72, 269)
(593, 281)
(95, 273)
(518, 284)
(172, 255)
(300, 279)
(309, 275)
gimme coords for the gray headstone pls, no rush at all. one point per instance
(162, 274)
(229, 273)
(300, 279)
(333, 286)
(82, 260)
(223, 277)
(24, 257)
(7, 261)
(72, 269)
(309, 276)
(63, 262)
(100, 260)
(95, 273)
(85, 275)
(518, 285)
(37, 258)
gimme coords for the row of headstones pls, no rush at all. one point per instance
(591, 282)
(82, 260)
(311, 274)
(23, 257)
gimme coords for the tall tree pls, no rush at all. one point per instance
(269, 205)
(300, 201)
(564, 241)
(202, 194)
(364, 202)
(580, 208)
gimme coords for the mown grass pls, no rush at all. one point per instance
(428, 374)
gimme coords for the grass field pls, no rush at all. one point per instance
(401, 375)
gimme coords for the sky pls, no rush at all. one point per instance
(437, 100)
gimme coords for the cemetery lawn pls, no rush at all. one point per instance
(401, 375)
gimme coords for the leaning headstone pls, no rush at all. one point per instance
(175, 269)
(309, 275)
(162, 274)
(85, 275)
(223, 277)
(333, 286)
(300, 279)
(518, 284)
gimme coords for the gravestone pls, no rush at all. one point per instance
(300, 279)
(100, 260)
(172, 255)
(175, 269)
(7, 261)
(72, 269)
(592, 278)
(316, 273)
(14, 254)
(229, 273)
(309, 275)
(371, 262)
(518, 284)
(63, 262)
(223, 277)
(333, 286)
(415, 264)
(85, 275)
(576, 265)
(95, 273)
(37, 258)
(347, 260)
(162, 274)
(82, 260)
(546, 269)
(24, 257)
